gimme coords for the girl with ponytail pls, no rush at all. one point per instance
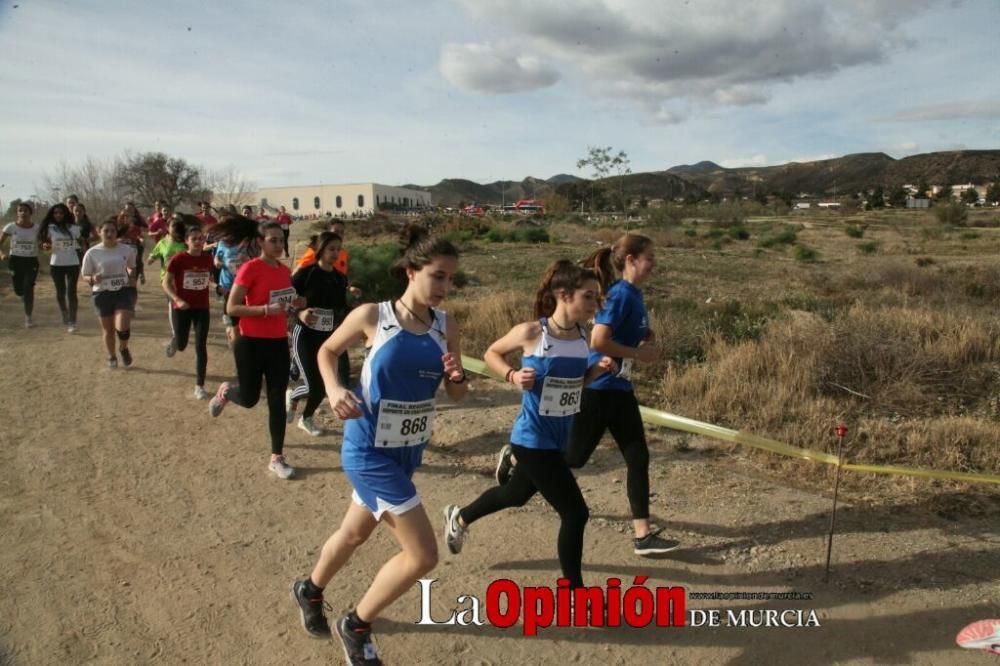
(412, 348)
(621, 331)
(554, 369)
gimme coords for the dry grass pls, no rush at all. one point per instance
(902, 344)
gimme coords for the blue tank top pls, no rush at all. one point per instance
(547, 410)
(399, 378)
(625, 313)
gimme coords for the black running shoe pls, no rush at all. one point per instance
(504, 465)
(126, 356)
(359, 647)
(654, 544)
(313, 619)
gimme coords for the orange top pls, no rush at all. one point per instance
(308, 258)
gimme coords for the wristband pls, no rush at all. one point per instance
(510, 375)
(458, 381)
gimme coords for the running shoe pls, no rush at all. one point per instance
(219, 402)
(28, 323)
(306, 423)
(981, 635)
(171, 348)
(281, 468)
(72, 328)
(126, 356)
(289, 406)
(504, 465)
(454, 533)
(200, 393)
(653, 544)
(313, 618)
(112, 362)
(359, 646)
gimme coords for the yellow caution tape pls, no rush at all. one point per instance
(674, 422)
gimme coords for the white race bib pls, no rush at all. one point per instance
(233, 265)
(63, 244)
(282, 296)
(113, 282)
(404, 423)
(21, 248)
(195, 280)
(324, 319)
(560, 396)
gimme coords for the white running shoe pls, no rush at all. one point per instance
(200, 393)
(281, 468)
(71, 329)
(28, 323)
(289, 406)
(306, 423)
(454, 533)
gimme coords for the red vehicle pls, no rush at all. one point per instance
(527, 206)
(473, 209)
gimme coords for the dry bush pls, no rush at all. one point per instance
(876, 367)
(487, 319)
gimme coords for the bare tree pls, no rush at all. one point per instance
(228, 186)
(92, 181)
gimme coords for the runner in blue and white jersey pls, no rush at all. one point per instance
(412, 347)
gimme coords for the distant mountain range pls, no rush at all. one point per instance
(823, 178)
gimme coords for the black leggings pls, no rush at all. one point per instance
(284, 233)
(23, 273)
(65, 279)
(182, 321)
(305, 348)
(617, 411)
(259, 360)
(544, 471)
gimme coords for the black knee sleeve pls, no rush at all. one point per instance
(124, 335)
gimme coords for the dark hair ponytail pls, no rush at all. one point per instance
(417, 249)
(563, 275)
(609, 260)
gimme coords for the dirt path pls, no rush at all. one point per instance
(136, 529)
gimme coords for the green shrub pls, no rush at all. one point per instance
(969, 235)
(868, 247)
(498, 235)
(807, 254)
(954, 214)
(786, 236)
(738, 232)
(532, 235)
(370, 270)
(855, 230)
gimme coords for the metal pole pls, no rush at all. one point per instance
(841, 431)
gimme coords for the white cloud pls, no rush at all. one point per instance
(491, 69)
(752, 161)
(973, 108)
(710, 53)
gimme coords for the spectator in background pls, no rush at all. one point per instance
(284, 220)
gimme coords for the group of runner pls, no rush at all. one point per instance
(574, 386)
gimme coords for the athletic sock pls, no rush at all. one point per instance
(355, 622)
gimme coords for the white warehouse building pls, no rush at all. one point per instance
(340, 200)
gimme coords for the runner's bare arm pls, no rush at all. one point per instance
(524, 337)
(455, 384)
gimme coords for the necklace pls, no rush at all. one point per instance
(418, 317)
(562, 328)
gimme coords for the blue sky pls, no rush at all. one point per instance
(311, 91)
